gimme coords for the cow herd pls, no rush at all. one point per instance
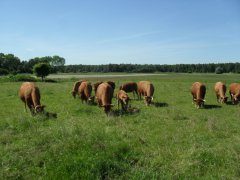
(198, 91)
(104, 92)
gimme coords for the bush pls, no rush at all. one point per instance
(41, 70)
(20, 77)
(219, 70)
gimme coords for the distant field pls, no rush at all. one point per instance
(169, 140)
(94, 75)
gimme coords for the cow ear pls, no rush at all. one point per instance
(195, 100)
(204, 100)
(152, 98)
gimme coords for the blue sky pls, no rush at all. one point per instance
(122, 31)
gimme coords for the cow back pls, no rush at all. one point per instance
(129, 87)
(198, 90)
(104, 94)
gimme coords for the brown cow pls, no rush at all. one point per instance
(146, 89)
(198, 91)
(30, 95)
(75, 88)
(130, 87)
(104, 96)
(95, 86)
(220, 90)
(84, 92)
(111, 83)
(234, 91)
(122, 98)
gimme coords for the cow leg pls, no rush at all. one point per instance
(25, 110)
(136, 94)
(99, 102)
(218, 98)
(25, 106)
(122, 104)
(231, 97)
(118, 104)
(193, 100)
(30, 106)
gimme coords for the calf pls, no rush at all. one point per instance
(146, 89)
(130, 87)
(75, 88)
(220, 90)
(122, 98)
(198, 92)
(104, 96)
(234, 91)
(84, 92)
(30, 95)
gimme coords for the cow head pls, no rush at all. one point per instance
(91, 99)
(199, 102)
(223, 99)
(148, 100)
(236, 98)
(39, 108)
(125, 100)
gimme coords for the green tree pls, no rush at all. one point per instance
(57, 61)
(9, 62)
(41, 70)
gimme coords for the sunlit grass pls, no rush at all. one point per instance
(171, 139)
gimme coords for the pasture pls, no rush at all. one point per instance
(171, 139)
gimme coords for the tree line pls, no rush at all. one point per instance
(10, 64)
(152, 68)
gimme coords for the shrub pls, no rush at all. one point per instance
(20, 77)
(41, 70)
(219, 70)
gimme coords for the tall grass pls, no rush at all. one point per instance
(171, 139)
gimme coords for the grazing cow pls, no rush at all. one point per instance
(111, 83)
(234, 91)
(130, 87)
(84, 92)
(104, 96)
(29, 93)
(75, 88)
(95, 86)
(122, 98)
(198, 91)
(146, 89)
(220, 90)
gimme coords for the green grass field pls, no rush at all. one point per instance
(172, 140)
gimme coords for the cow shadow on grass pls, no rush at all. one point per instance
(231, 103)
(160, 104)
(211, 106)
(45, 116)
(130, 111)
